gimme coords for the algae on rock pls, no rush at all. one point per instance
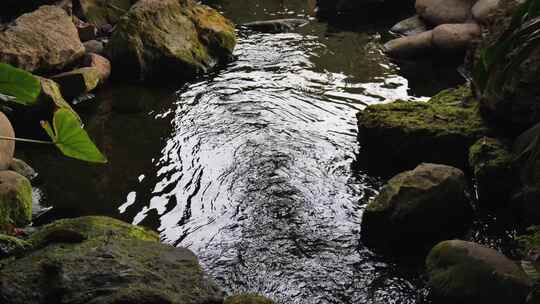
(465, 272)
(160, 38)
(15, 200)
(491, 162)
(102, 260)
(404, 134)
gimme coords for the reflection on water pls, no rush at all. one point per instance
(256, 176)
(251, 167)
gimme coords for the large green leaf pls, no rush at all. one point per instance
(18, 85)
(72, 140)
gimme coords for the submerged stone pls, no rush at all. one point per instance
(465, 272)
(159, 38)
(403, 134)
(102, 260)
(416, 209)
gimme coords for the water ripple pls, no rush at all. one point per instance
(257, 179)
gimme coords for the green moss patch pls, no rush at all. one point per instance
(405, 133)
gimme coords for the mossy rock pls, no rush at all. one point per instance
(416, 209)
(463, 272)
(102, 12)
(159, 38)
(492, 163)
(103, 260)
(15, 200)
(10, 245)
(404, 134)
(248, 298)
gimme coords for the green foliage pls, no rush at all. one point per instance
(18, 86)
(497, 71)
(72, 140)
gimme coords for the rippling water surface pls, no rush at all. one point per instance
(251, 167)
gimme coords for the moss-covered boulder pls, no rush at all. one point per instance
(7, 147)
(491, 162)
(77, 82)
(403, 134)
(102, 260)
(15, 200)
(416, 209)
(10, 245)
(42, 41)
(102, 12)
(159, 38)
(247, 298)
(465, 272)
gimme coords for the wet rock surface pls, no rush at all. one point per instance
(102, 260)
(15, 200)
(160, 37)
(465, 272)
(408, 133)
(416, 209)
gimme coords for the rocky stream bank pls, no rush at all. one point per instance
(451, 157)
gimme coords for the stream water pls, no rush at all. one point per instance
(251, 166)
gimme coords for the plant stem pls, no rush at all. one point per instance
(35, 141)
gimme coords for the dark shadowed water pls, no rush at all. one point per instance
(250, 167)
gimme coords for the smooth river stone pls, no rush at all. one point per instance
(7, 147)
